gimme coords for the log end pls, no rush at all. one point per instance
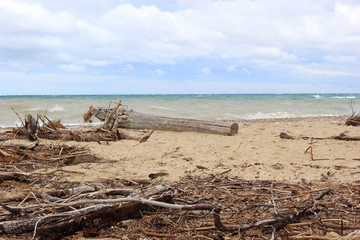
(234, 129)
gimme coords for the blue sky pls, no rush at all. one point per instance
(183, 46)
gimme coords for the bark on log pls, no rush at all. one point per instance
(135, 120)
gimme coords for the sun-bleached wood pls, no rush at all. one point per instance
(135, 120)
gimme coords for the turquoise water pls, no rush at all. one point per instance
(69, 108)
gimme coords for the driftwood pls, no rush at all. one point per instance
(17, 176)
(33, 151)
(248, 209)
(341, 137)
(31, 126)
(3, 137)
(104, 215)
(354, 119)
(55, 131)
(32, 130)
(21, 145)
(124, 118)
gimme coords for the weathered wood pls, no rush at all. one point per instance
(3, 137)
(31, 125)
(110, 120)
(79, 136)
(21, 145)
(17, 176)
(54, 226)
(134, 120)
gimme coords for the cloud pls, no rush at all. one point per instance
(71, 67)
(101, 35)
(129, 67)
(231, 68)
(160, 72)
(245, 70)
(342, 59)
(146, 33)
(205, 70)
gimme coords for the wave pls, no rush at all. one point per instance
(162, 108)
(261, 115)
(344, 97)
(317, 96)
(230, 116)
(56, 108)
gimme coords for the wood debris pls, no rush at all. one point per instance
(210, 206)
(32, 129)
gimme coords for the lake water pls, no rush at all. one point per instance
(69, 108)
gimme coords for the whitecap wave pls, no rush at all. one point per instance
(162, 108)
(345, 97)
(56, 108)
(230, 116)
(261, 115)
(317, 96)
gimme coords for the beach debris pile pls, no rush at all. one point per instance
(197, 207)
(19, 161)
(32, 130)
(353, 120)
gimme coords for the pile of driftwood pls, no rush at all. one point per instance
(203, 207)
(353, 120)
(41, 127)
(18, 160)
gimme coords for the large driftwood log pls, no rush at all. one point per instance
(134, 120)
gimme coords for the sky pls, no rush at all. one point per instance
(179, 46)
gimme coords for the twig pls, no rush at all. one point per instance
(204, 237)
(35, 228)
(200, 229)
(311, 237)
(336, 226)
(272, 196)
(146, 136)
(117, 200)
(22, 123)
(237, 148)
(152, 234)
(58, 170)
(226, 171)
(273, 234)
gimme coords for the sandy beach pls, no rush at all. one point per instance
(256, 152)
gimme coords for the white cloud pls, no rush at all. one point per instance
(78, 35)
(231, 68)
(129, 67)
(245, 70)
(205, 70)
(160, 72)
(71, 67)
(319, 70)
(342, 59)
